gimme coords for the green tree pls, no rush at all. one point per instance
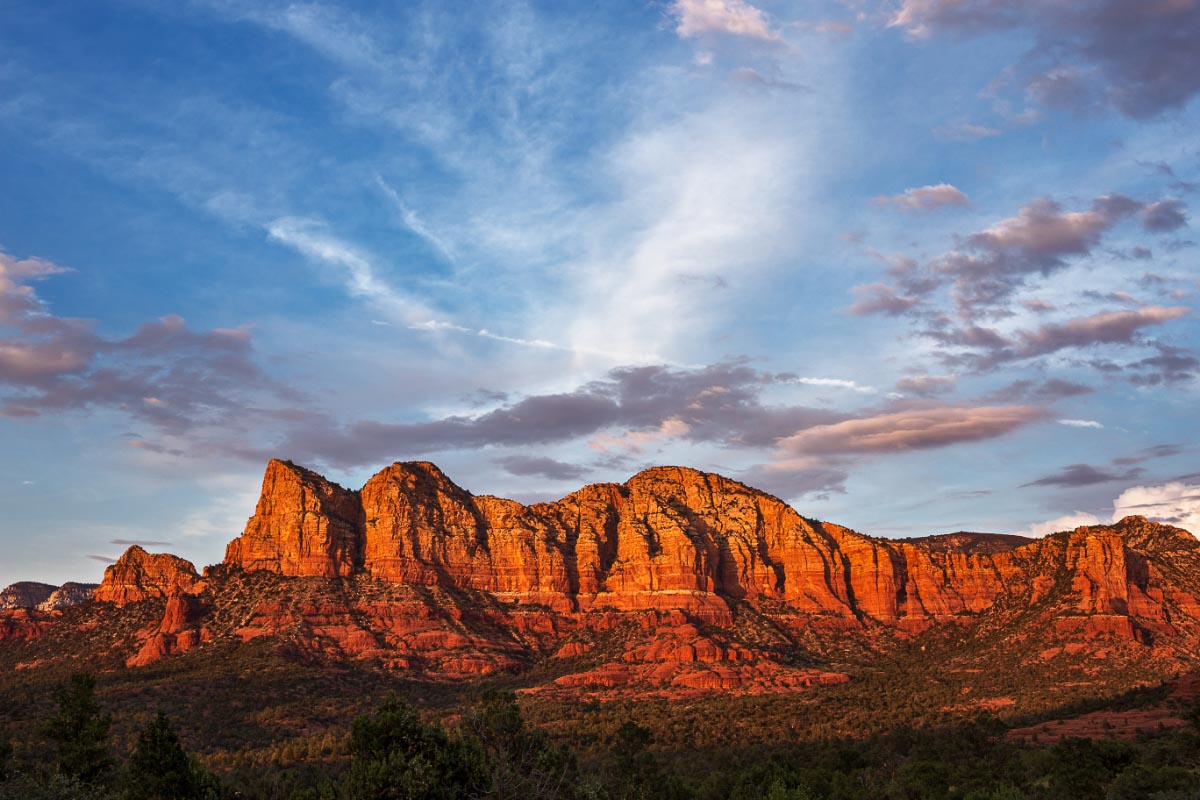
(160, 769)
(395, 756)
(80, 731)
(518, 761)
(637, 773)
(5, 758)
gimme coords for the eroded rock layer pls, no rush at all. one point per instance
(675, 582)
(672, 537)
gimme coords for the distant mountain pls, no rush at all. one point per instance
(44, 596)
(673, 583)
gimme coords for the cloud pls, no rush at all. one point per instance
(733, 17)
(836, 383)
(1083, 475)
(1137, 57)
(796, 479)
(629, 408)
(541, 467)
(916, 429)
(1110, 327)
(164, 373)
(927, 385)
(1174, 503)
(879, 298)
(313, 241)
(1080, 423)
(988, 266)
(140, 542)
(964, 132)
(925, 198)
(1068, 522)
(1164, 216)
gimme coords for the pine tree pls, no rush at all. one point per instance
(80, 730)
(395, 756)
(159, 768)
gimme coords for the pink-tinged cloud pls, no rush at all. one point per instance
(734, 17)
(1111, 327)
(925, 198)
(1137, 56)
(879, 298)
(916, 429)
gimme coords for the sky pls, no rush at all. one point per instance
(915, 266)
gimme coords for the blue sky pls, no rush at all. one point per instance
(915, 266)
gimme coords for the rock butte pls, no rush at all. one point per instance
(421, 574)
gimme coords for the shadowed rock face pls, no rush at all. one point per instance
(45, 597)
(676, 538)
(25, 594)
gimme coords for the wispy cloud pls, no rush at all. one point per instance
(1080, 423)
(358, 272)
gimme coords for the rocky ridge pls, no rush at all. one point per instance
(676, 581)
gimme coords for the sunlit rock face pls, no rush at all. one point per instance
(672, 537)
(139, 575)
(303, 525)
(676, 581)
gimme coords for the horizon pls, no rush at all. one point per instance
(912, 267)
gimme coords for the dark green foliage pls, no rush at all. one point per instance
(396, 756)
(636, 771)
(5, 758)
(160, 769)
(80, 731)
(518, 761)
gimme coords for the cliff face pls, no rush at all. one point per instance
(139, 575)
(676, 581)
(676, 538)
(25, 594)
(303, 525)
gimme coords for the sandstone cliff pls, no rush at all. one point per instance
(139, 575)
(672, 537)
(675, 581)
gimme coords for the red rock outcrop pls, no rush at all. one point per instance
(672, 537)
(674, 581)
(139, 575)
(303, 525)
(176, 632)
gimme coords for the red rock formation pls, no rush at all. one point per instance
(175, 633)
(677, 538)
(677, 580)
(303, 525)
(21, 624)
(139, 575)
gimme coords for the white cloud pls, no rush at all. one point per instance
(1080, 423)
(1174, 503)
(734, 17)
(1068, 522)
(310, 239)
